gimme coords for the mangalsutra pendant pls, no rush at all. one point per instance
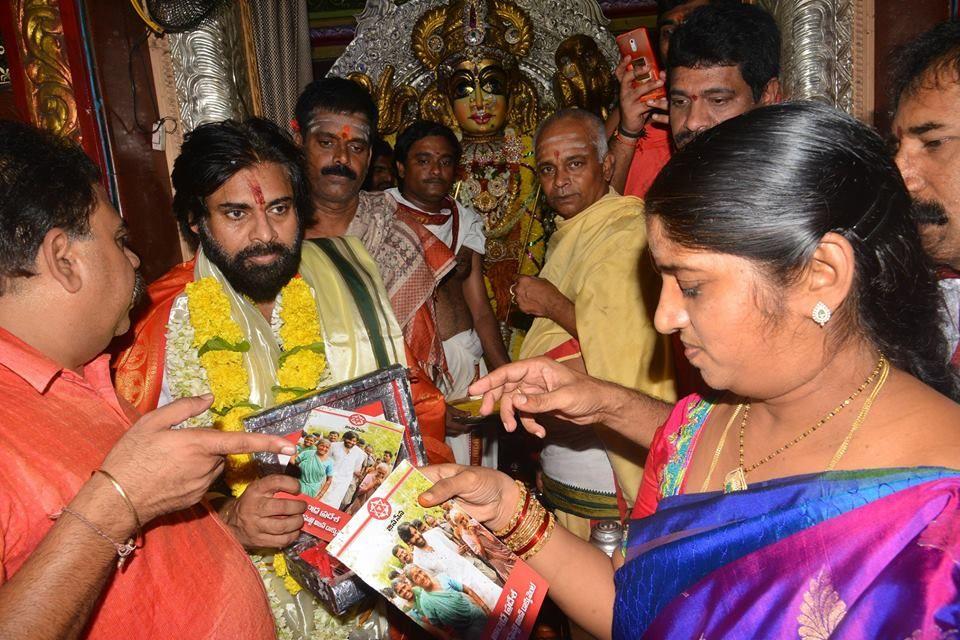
(736, 480)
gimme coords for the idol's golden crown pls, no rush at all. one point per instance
(472, 30)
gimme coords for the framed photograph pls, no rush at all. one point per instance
(342, 458)
(383, 394)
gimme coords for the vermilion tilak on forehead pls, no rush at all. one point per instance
(256, 191)
(345, 132)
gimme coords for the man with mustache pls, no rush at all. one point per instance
(427, 157)
(722, 59)
(336, 120)
(240, 189)
(926, 130)
(640, 145)
(113, 525)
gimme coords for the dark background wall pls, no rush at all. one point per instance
(897, 21)
(122, 62)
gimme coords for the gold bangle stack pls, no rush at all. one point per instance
(529, 528)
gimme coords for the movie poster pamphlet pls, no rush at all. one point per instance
(438, 565)
(342, 458)
(381, 395)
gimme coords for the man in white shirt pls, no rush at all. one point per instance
(427, 155)
(347, 463)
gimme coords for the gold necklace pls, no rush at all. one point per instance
(716, 454)
(736, 480)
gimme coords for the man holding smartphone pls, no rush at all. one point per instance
(727, 63)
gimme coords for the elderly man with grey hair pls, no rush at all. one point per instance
(593, 302)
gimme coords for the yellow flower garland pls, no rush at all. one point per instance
(221, 344)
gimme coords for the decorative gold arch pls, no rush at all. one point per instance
(828, 51)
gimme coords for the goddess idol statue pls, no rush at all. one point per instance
(471, 48)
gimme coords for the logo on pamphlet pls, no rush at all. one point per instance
(379, 508)
(358, 420)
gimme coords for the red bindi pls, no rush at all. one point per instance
(694, 98)
(345, 132)
(256, 191)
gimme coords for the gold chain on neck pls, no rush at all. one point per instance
(736, 479)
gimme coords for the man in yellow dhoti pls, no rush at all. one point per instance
(594, 303)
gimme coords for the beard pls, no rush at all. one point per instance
(259, 282)
(928, 212)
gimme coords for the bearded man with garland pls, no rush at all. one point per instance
(283, 317)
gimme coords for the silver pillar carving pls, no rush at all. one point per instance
(210, 70)
(827, 52)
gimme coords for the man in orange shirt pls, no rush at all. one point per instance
(730, 48)
(67, 284)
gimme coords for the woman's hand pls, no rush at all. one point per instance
(542, 385)
(488, 495)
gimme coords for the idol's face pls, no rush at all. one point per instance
(927, 132)
(480, 96)
(578, 57)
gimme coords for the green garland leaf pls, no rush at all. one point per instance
(316, 347)
(219, 344)
(225, 411)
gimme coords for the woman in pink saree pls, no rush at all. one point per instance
(816, 494)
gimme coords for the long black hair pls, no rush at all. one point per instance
(768, 185)
(214, 152)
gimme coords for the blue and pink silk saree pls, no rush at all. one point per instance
(862, 554)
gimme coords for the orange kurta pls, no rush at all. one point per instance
(56, 428)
